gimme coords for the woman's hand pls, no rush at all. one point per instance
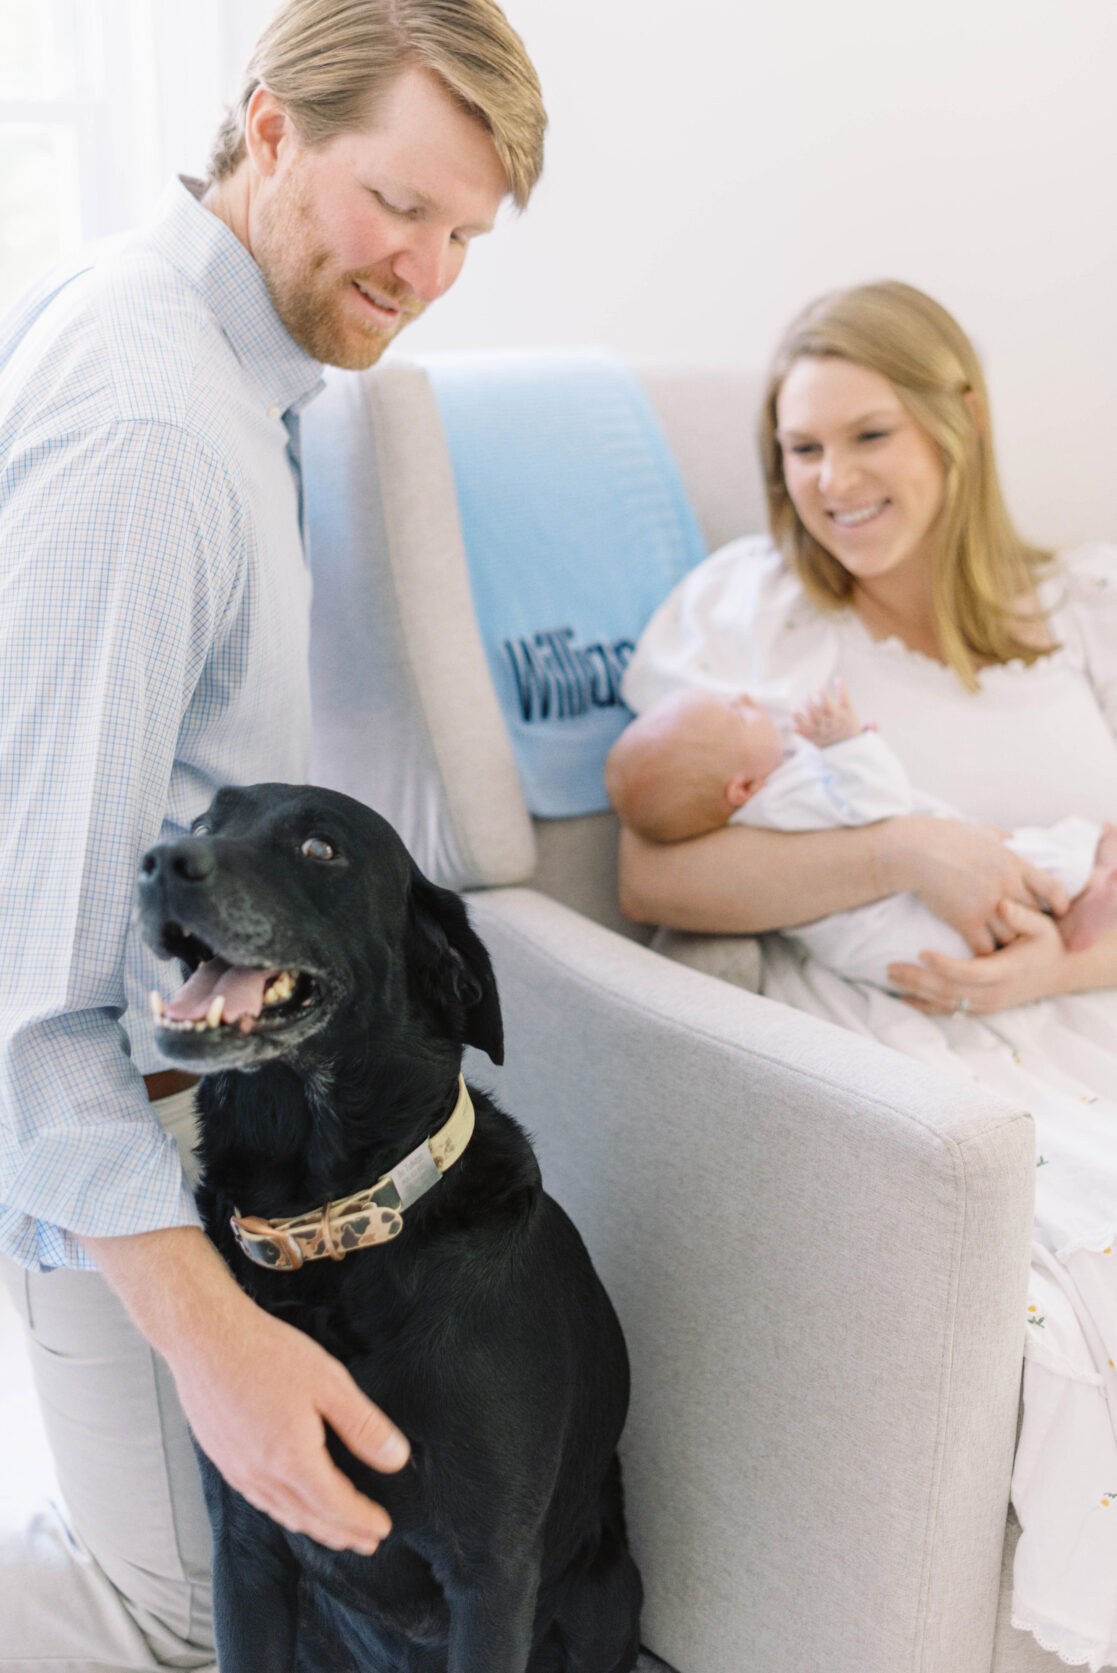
(964, 873)
(1034, 965)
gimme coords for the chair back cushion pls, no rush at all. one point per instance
(576, 525)
(405, 717)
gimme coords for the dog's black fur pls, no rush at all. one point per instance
(482, 1330)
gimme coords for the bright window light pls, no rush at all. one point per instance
(77, 140)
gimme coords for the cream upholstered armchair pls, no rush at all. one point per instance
(817, 1248)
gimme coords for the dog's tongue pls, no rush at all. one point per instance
(243, 991)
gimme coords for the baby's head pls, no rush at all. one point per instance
(687, 763)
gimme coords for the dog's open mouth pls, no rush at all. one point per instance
(221, 998)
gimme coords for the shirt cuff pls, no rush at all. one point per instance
(101, 1179)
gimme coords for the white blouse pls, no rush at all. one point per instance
(1030, 746)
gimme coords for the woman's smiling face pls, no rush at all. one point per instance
(866, 480)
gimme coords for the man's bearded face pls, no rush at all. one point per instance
(357, 235)
(313, 291)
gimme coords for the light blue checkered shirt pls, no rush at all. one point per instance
(154, 615)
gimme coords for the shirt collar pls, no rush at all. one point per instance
(212, 257)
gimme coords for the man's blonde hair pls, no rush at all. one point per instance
(329, 62)
(984, 576)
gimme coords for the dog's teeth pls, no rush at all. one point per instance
(213, 1015)
(156, 1003)
(246, 1023)
(279, 990)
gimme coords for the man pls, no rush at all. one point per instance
(153, 645)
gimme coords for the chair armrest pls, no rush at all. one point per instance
(819, 1251)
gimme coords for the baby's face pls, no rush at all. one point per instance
(751, 740)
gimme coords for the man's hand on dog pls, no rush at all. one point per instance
(256, 1392)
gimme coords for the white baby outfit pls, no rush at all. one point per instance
(860, 780)
(1032, 745)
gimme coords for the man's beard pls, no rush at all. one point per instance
(312, 302)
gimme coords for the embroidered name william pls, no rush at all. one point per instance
(557, 678)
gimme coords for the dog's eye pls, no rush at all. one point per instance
(200, 829)
(317, 848)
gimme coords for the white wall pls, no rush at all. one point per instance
(713, 164)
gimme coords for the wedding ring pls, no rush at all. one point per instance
(961, 1006)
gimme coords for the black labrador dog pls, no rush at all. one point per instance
(331, 990)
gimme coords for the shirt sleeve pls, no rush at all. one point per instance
(120, 556)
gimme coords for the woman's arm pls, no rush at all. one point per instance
(741, 880)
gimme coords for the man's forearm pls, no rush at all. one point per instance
(257, 1393)
(174, 1284)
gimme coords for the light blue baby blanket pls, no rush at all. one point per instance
(576, 527)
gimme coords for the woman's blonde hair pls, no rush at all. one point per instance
(984, 576)
(330, 61)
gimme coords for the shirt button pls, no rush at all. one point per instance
(274, 410)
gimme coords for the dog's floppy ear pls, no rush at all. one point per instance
(454, 966)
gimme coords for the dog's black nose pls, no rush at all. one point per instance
(192, 861)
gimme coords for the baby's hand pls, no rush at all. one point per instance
(828, 717)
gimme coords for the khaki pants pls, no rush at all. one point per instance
(122, 1586)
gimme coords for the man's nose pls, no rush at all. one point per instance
(428, 264)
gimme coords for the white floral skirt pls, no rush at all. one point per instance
(1057, 1059)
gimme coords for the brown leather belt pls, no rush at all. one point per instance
(164, 1083)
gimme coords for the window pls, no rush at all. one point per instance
(100, 101)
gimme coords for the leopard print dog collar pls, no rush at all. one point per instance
(374, 1215)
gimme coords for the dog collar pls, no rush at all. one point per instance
(374, 1215)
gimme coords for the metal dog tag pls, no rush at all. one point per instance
(415, 1175)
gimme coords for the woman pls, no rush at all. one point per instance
(991, 669)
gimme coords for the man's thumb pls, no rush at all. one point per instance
(364, 1429)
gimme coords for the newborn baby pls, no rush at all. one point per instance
(695, 761)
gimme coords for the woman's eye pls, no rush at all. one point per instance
(317, 848)
(803, 448)
(873, 435)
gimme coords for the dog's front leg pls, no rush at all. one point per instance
(255, 1582)
(491, 1624)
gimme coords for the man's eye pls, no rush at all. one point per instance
(317, 848)
(398, 209)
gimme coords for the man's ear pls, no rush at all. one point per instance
(453, 967)
(267, 124)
